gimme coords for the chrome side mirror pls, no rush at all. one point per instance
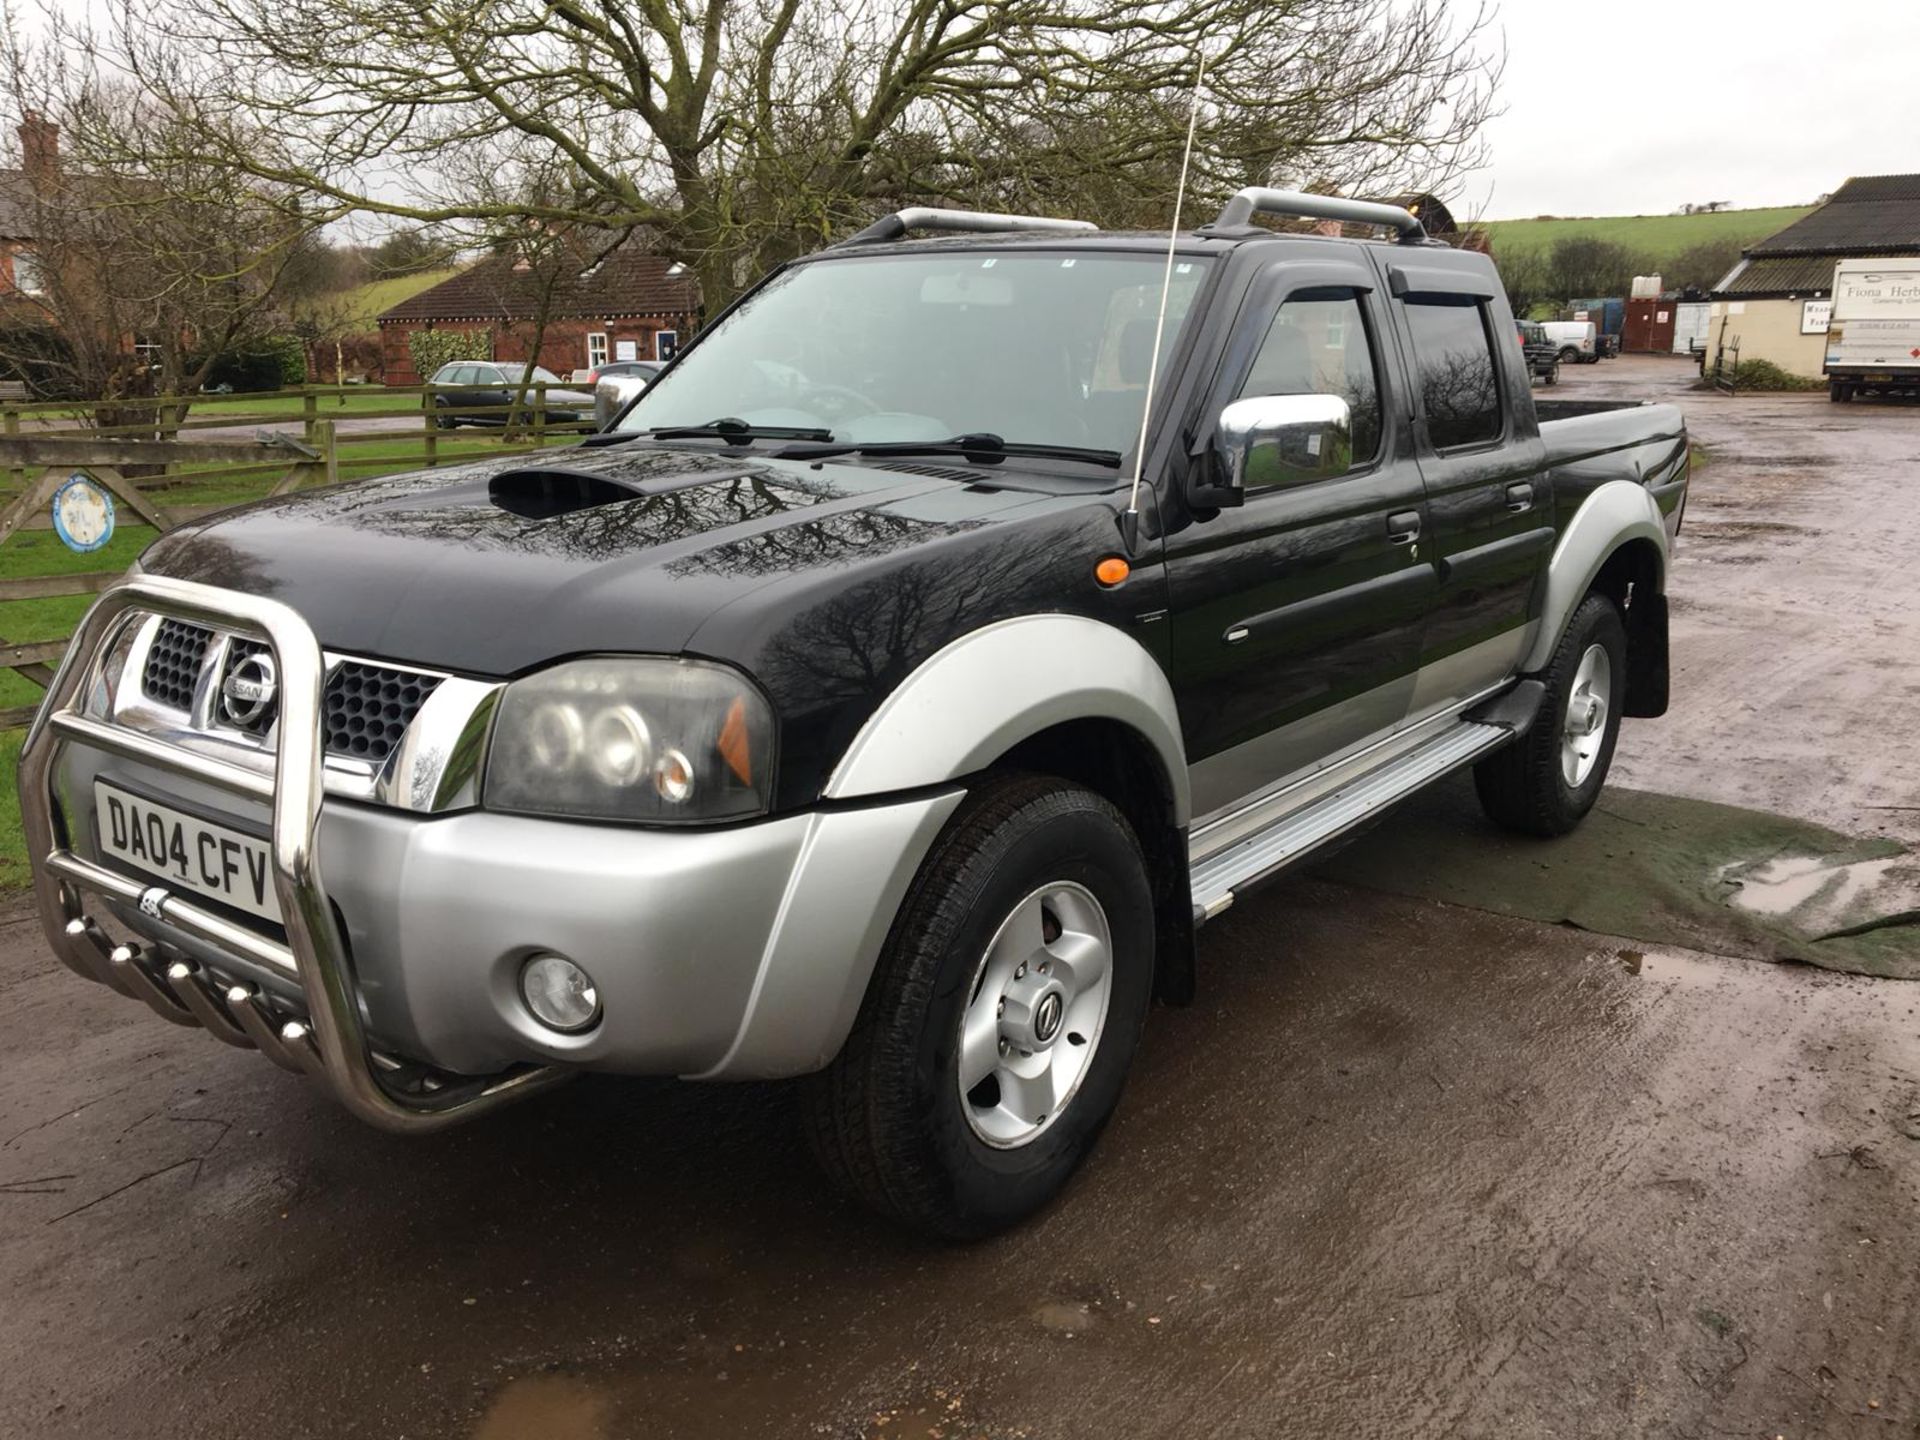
(1267, 440)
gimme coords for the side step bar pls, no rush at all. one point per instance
(1219, 877)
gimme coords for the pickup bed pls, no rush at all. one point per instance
(888, 698)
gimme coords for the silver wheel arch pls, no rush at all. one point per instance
(982, 694)
(1615, 514)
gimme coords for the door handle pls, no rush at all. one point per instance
(1519, 497)
(1403, 528)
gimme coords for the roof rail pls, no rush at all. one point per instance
(956, 222)
(1256, 200)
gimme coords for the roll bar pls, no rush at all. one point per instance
(956, 222)
(1257, 200)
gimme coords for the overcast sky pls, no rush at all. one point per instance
(1634, 107)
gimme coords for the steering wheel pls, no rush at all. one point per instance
(840, 402)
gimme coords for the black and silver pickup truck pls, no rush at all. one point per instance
(888, 699)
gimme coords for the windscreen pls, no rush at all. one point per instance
(1037, 347)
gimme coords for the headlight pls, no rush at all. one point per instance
(619, 738)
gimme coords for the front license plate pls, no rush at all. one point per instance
(186, 852)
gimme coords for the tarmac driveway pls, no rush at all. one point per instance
(1409, 1167)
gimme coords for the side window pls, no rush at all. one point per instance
(1458, 378)
(1320, 346)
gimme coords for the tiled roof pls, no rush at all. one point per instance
(1777, 275)
(1869, 215)
(627, 282)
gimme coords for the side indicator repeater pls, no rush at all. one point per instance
(1112, 571)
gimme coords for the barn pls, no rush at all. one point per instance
(1774, 303)
(630, 305)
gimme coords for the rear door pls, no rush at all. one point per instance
(1297, 616)
(493, 395)
(1484, 470)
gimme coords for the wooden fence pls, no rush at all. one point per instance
(167, 475)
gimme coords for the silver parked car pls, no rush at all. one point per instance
(616, 383)
(487, 389)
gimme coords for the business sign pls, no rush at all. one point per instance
(1815, 315)
(82, 513)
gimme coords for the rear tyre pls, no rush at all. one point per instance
(1547, 781)
(1551, 375)
(1005, 1009)
(1568, 354)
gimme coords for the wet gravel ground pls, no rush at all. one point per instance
(1406, 1169)
(1795, 605)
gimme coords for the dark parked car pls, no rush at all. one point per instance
(857, 710)
(487, 389)
(1543, 356)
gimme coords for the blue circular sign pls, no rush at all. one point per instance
(82, 513)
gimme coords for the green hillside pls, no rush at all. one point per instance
(364, 303)
(1658, 237)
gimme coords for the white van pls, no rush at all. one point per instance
(1578, 340)
(1873, 333)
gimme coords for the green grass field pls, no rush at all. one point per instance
(363, 304)
(1658, 237)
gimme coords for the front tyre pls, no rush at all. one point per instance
(996, 1033)
(1547, 781)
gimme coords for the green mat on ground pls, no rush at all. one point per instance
(1664, 870)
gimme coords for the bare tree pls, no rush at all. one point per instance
(741, 132)
(146, 274)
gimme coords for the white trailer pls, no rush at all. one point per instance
(1873, 335)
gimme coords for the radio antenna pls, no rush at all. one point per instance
(1131, 520)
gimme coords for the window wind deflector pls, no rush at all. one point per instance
(982, 448)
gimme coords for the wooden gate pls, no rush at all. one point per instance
(41, 463)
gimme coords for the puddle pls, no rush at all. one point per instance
(1821, 893)
(546, 1407)
(1064, 1317)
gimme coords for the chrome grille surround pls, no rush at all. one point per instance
(421, 744)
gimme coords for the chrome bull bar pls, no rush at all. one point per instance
(330, 1043)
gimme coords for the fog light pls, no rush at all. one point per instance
(559, 993)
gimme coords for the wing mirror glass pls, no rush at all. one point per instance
(1267, 440)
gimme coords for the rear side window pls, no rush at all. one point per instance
(1319, 346)
(1459, 388)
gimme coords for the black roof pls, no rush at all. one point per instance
(1778, 275)
(1869, 215)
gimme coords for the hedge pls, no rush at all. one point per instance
(430, 349)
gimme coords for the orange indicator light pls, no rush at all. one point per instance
(1111, 571)
(733, 745)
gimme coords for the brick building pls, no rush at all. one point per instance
(630, 306)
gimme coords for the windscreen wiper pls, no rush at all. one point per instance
(981, 447)
(729, 428)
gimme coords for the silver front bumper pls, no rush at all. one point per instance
(720, 953)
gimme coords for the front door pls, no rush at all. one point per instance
(1297, 616)
(1486, 483)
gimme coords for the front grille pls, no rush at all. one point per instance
(173, 663)
(369, 708)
